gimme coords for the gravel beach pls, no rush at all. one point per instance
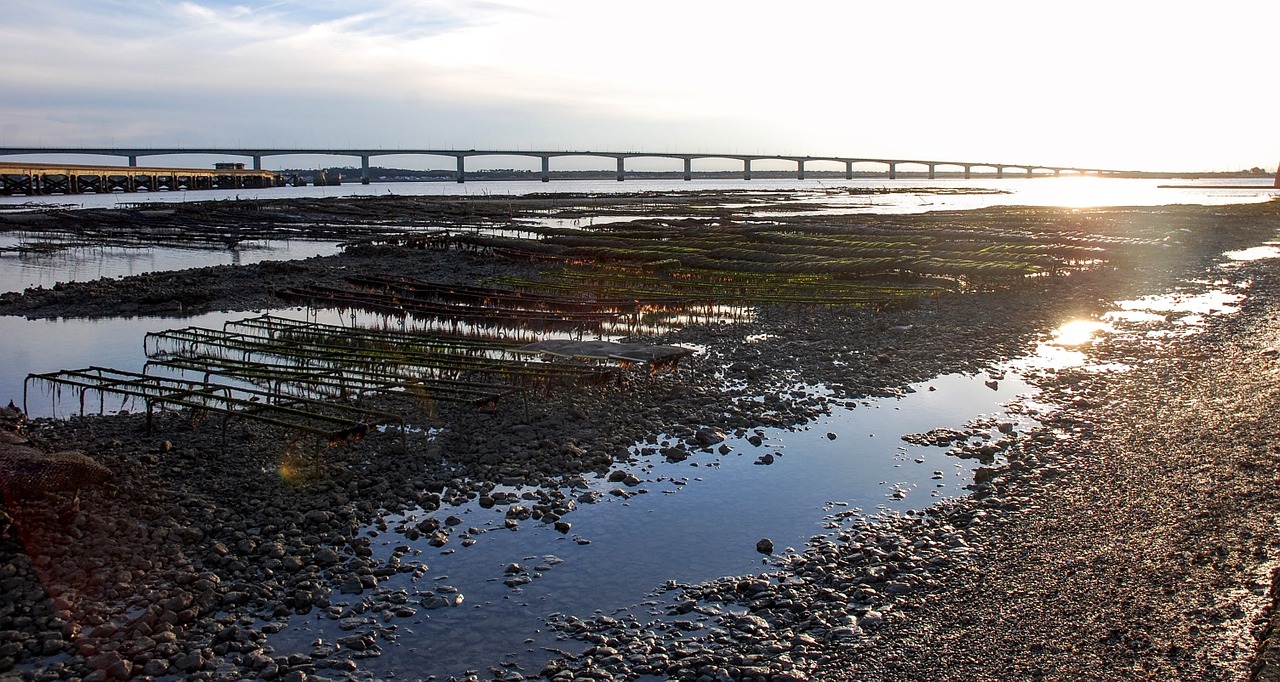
(1132, 535)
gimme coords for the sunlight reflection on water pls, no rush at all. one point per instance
(1254, 253)
(1209, 302)
(1079, 332)
(1160, 316)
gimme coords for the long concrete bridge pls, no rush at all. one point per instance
(257, 154)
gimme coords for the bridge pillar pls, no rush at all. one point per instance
(621, 171)
(257, 162)
(1030, 171)
(800, 169)
(1277, 177)
(133, 160)
(999, 171)
(546, 169)
(364, 169)
(746, 170)
(848, 170)
(893, 171)
(932, 175)
(1057, 172)
(461, 175)
(688, 168)
(968, 172)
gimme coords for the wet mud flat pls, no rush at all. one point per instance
(624, 238)
(1131, 536)
(373, 228)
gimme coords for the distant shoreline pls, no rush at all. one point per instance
(1274, 187)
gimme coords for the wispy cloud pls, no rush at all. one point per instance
(1059, 82)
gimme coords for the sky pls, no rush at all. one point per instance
(1120, 84)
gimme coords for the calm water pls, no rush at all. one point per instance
(22, 269)
(696, 520)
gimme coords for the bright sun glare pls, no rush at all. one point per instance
(1078, 332)
(1079, 192)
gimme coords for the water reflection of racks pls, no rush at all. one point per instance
(508, 313)
(319, 379)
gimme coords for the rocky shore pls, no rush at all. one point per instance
(1131, 536)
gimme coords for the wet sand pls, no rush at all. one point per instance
(1132, 537)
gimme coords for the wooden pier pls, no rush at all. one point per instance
(33, 179)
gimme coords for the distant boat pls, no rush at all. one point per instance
(322, 178)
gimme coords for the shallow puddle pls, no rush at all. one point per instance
(1155, 317)
(21, 267)
(1212, 302)
(1079, 333)
(687, 521)
(1255, 253)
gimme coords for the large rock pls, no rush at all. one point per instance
(189, 663)
(156, 667)
(317, 516)
(352, 585)
(326, 556)
(708, 436)
(112, 665)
